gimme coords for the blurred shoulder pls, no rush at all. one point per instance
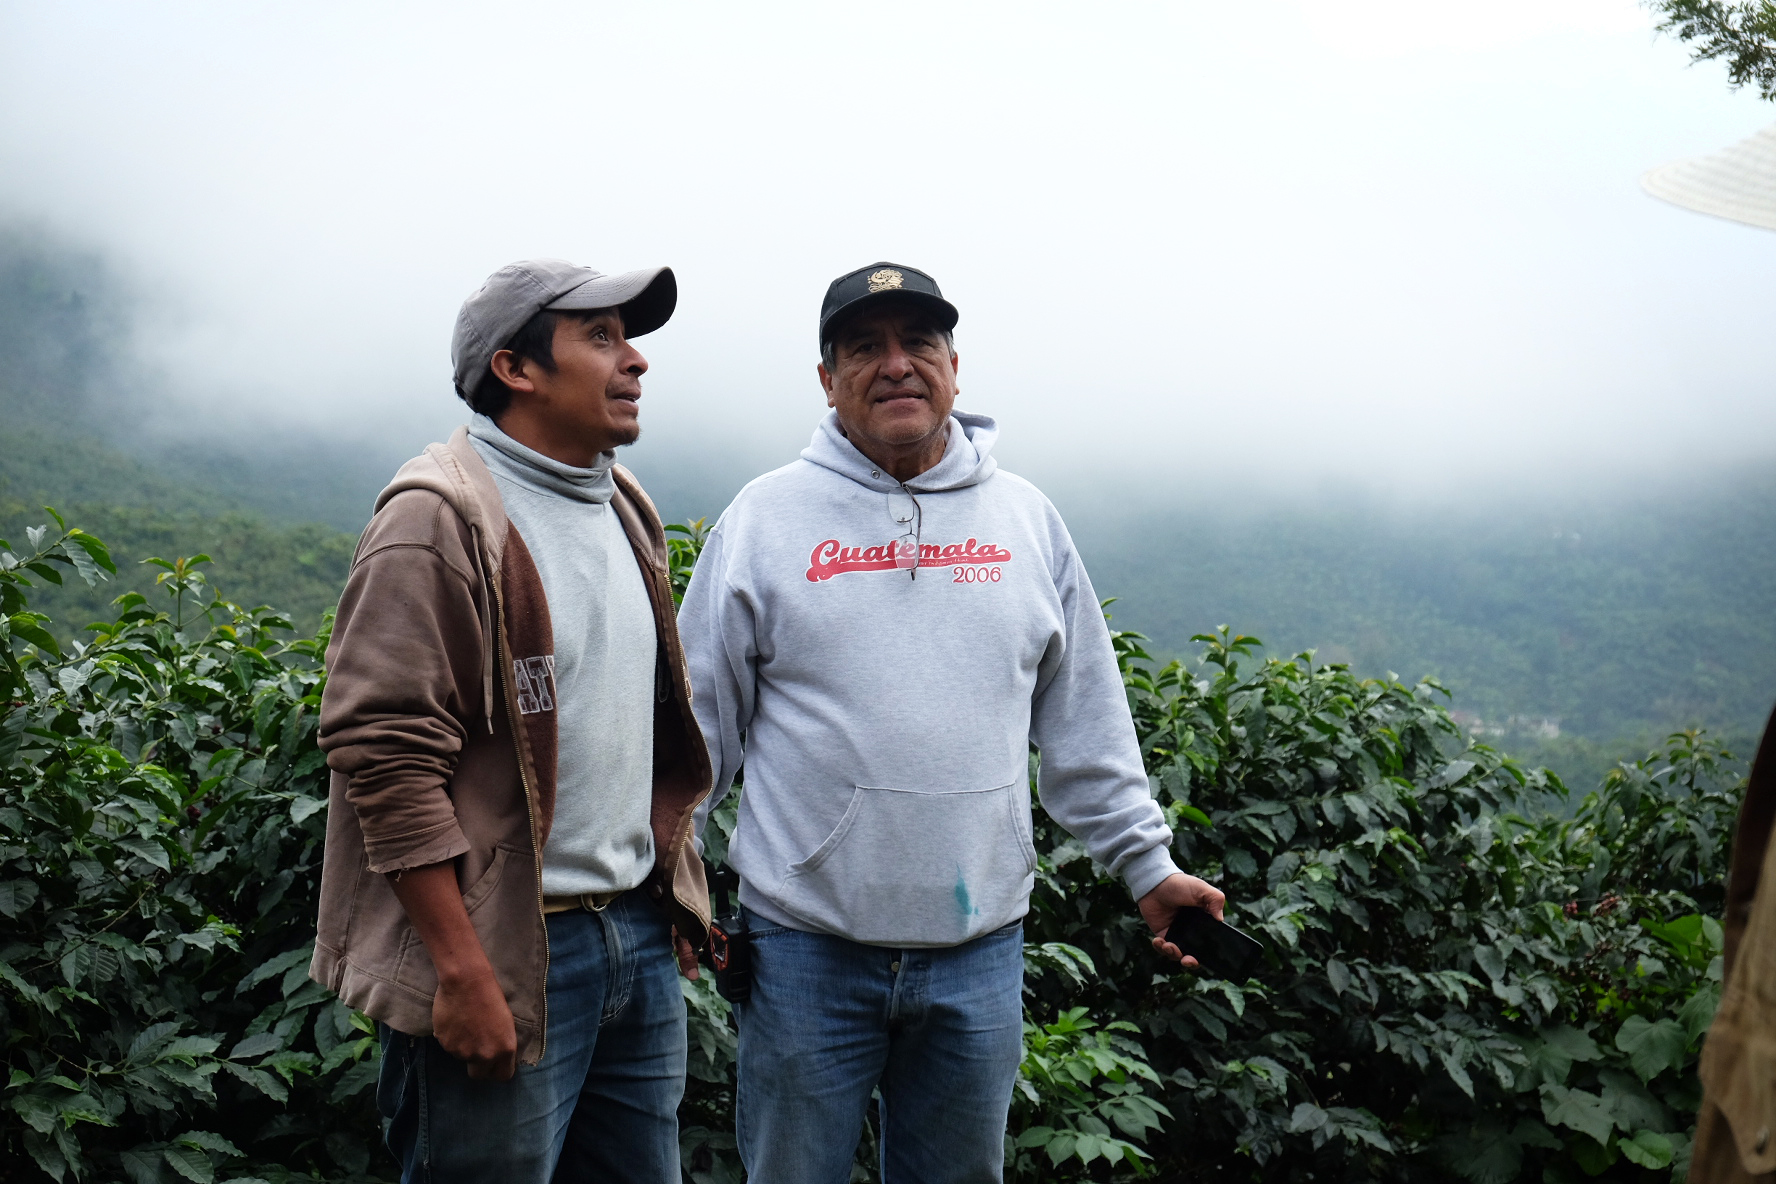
(1024, 494)
(771, 492)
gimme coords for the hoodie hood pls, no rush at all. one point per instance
(457, 474)
(967, 459)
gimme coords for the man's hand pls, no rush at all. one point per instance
(687, 955)
(473, 1023)
(470, 1016)
(1171, 894)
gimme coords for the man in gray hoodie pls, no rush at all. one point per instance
(881, 631)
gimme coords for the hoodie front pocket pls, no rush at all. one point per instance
(908, 867)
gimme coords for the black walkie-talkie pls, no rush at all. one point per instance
(730, 939)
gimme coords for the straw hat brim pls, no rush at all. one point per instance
(1738, 183)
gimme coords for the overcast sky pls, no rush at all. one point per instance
(1388, 238)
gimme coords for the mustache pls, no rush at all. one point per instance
(901, 390)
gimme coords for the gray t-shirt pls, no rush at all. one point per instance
(604, 659)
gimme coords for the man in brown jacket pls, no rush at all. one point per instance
(515, 762)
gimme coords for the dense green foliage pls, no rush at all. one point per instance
(159, 852)
(1741, 33)
(1458, 982)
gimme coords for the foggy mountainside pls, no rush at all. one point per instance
(1571, 631)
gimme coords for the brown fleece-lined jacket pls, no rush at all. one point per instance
(1736, 1127)
(436, 754)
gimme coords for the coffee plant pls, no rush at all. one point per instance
(159, 855)
(1467, 975)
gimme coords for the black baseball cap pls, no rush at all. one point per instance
(884, 281)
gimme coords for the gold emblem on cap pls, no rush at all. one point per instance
(885, 279)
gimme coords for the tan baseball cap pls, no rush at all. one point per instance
(518, 291)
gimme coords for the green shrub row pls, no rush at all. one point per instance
(1462, 981)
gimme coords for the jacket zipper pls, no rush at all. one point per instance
(536, 848)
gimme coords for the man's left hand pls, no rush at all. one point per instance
(687, 956)
(1171, 894)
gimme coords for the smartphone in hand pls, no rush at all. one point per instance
(1218, 947)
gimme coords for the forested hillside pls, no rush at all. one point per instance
(1575, 627)
(83, 429)
(299, 566)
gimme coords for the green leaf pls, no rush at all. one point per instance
(38, 1111)
(1551, 1056)
(1577, 1110)
(1648, 1149)
(1653, 1047)
(77, 963)
(208, 1142)
(256, 1046)
(262, 1081)
(143, 1165)
(357, 1079)
(1307, 1117)
(83, 563)
(1698, 1013)
(25, 625)
(48, 1155)
(187, 1048)
(16, 896)
(94, 549)
(1190, 812)
(83, 1107)
(1571, 1043)
(1593, 1158)
(151, 1038)
(288, 1064)
(302, 808)
(194, 1165)
(1458, 1073)
(1630, 1104)
(149, 852)
(278, 965)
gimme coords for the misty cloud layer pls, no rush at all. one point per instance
(1185, 239)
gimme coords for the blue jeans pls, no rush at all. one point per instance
(603, 1102)
(938, 1031)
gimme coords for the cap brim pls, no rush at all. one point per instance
(646, 298)
(947, 316)
(1738, 183)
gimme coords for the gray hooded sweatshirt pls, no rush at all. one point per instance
(886, 721)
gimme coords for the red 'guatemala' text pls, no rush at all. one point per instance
(829, 559)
